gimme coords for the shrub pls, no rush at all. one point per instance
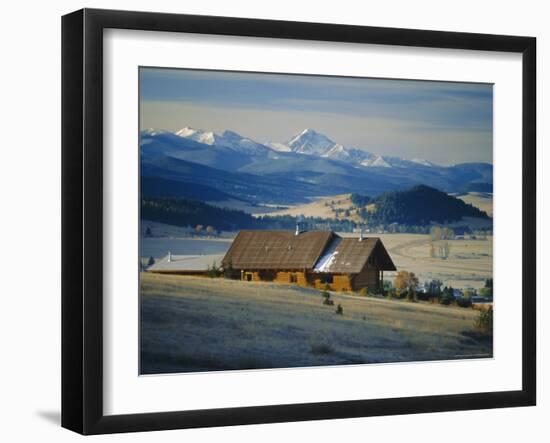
(411, 295)
(326, 298)
(464, 302)
(433, 287)
(339, 309)
(151, 261)
(228, 271)
(485, 320)
(447, 296)
(213, 271)
(486, 293)
(364, 292)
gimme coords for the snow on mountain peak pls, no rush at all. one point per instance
(308, 142)
(152, 131)
(186, 132)
(379, 162)
(206, 137)
(229, 139)
(311, 142)
(422, 162)
(279, 147)
(242, 144)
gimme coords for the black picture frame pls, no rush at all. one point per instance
(82, 215)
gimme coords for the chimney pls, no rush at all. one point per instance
(169, 256)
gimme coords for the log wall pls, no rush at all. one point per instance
(294, 277)
(368, 278)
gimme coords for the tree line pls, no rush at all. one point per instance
(187, 212)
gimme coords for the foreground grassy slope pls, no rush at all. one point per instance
(199, 324)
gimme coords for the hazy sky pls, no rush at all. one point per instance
(442, 122)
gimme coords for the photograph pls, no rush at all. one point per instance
(291, 221)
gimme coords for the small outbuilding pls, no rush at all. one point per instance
(186, 264)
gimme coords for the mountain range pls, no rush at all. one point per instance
(308, 164)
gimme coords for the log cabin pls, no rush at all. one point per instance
(319, 259)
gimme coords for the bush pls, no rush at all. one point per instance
(151, 261)
(433, 287)
(464, 302)
(447, 296)
(326, 298)
(485, 320)
(213, 271)
(486, 293)
(446, 299)
(364, 292)
(411, 295)
(228, 271)
(339, 309)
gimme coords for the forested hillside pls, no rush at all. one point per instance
(418, 206)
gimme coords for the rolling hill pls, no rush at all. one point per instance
(419, 206)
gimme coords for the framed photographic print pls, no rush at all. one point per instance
(269, 221)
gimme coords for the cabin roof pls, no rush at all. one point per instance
(276, 249)
(349, 256)
(319, 251)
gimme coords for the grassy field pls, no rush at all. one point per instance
(322, 207)
(470, 262)
(481, 200)
(200, 324)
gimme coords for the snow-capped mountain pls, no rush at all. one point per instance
(206, 137)
(242, 144)
(310, 164)
(311, 142)
(279, 147)
(376, 161)
(153, 132)
(307, 142)
(228, 139)
(423, 162)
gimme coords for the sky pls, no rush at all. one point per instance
(443, 122)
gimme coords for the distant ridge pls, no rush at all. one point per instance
(308, 165)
